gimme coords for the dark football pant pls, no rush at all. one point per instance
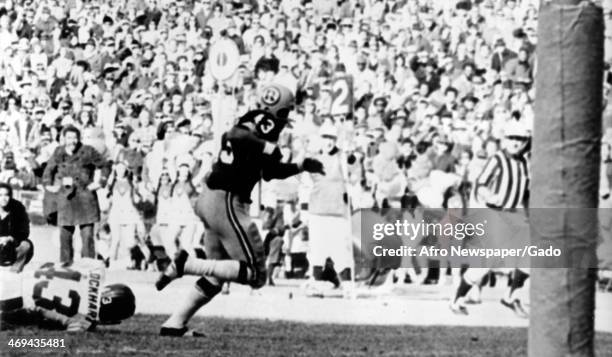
(230, 233)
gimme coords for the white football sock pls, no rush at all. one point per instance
(194, 300)
(220, 269)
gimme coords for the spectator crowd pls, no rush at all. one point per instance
(412, 96)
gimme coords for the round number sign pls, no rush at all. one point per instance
(224, 59)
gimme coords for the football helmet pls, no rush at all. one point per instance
(274, 103)
(277, 100)
(116, 304)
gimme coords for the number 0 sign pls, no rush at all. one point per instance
(342, 96)
(224, 59)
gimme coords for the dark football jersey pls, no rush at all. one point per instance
(243, 160)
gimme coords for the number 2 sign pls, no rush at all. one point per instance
(342, 96)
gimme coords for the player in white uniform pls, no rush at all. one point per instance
(74, 298)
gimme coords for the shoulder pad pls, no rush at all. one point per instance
(254, 116)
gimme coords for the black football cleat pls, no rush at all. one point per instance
(519, 310)
(507, 304)
(162, 282)
(517, 307)
(173, 271)
(179, 332)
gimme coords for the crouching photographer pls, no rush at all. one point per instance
(16, 249)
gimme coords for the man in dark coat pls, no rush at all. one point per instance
(16, 249)
(73, 174)
(501, 55)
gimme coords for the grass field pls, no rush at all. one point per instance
(230, 337)
(410, 320)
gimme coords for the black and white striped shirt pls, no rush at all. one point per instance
(507, 177)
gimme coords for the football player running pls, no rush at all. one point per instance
(73, 299)
(234, 248)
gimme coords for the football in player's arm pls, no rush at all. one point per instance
(73, 299)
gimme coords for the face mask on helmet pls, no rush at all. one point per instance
(116, 304)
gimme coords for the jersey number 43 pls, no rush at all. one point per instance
(49, 300)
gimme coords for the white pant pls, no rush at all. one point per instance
(329, 236)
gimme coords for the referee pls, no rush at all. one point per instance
(503, 187)
(504, 181)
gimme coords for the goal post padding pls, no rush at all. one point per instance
(565, 173)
